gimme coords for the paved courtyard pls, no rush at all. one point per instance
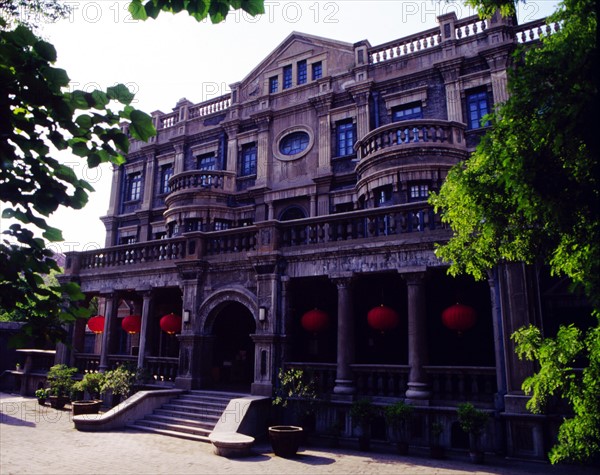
(42, 440)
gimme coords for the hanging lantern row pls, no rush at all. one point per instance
(315, 320)
(171, 323)
(96, 324)
(132, 324)
(459, 317)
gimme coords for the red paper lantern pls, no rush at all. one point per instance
(171, 323)
(459, 317)
(383, 318)
(132, 324)
(315, 320)
(96, 324)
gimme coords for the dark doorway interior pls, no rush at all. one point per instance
(233, 353)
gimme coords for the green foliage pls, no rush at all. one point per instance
(216, 10)
(471, 419)
(436, 429)
(293, 386)
(579, 434)
(60, 380)
(30, 12)
(531, 193)
(92, 383)
(42, 393)
(38, 118)
(120, 381)
(398, 416)
(362, 412)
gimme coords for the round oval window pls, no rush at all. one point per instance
(294, 143)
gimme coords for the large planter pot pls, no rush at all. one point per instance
(58, 402)
(42, 401)
(476, 456)
(285, 440)
(86, 407)
(402, 447)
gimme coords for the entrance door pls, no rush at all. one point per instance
(233, 351)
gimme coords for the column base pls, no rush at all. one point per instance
(261, 389)
(344, 386)
(418, 393)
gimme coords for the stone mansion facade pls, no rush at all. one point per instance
(306, 188)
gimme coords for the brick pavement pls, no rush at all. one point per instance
(42, 440)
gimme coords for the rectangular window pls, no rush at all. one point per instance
(248, 160)
(407, 112)
(287, 77)
(221, 225)
(477, 108)
(317, 71)
(207, 161)
(302, 72)
(345, 138)
(419, 192)
(273, 84)
(383, 195)
(191, 225)
(134, 186)
(166, 172)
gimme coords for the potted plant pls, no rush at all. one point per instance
(362, 412)
(42, 394)
(436, 449)
(473, 422)
(119, 382)
(90, 384)
(398, 417)
(60, 383)
(292, 391)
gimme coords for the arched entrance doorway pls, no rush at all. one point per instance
(233, 350)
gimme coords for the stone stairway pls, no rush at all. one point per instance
(192, 415)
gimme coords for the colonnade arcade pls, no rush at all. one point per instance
(234, 339)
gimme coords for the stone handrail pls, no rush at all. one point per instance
(362, 224)
(201, 179)
(463, 383)
(470, 26)
(151, 251)
(167, 120)
(410, 133)
(213, 106)
(162, 368)
(404, 46)
(381, 380)
(534, 30)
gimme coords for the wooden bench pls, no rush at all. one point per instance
(231, 444)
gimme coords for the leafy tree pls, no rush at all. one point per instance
(39, 118)
(530, 193)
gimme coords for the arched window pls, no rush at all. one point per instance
(293, 212)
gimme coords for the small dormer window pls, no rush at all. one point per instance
(302, 72)
(317, 71)
(287, 77)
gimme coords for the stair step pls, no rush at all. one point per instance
(204, 424)
(171, 433)
(197, 410)
(174, 427)
(213, 418)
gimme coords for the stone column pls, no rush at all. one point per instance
(344, 381)
(360, 94)
(110, 319)
(263, 150)
(450, 71)
(146, 311)
(498, 62)
(418, 387)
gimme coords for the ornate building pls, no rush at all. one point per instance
(306, 188)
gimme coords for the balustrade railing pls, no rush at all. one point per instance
(87, 362)
(449, 384)
(411, 132)
(404, 46)
(462, 383)
(534, 30)
(161, 369)
(232, 241)
(219, 104)
(201, 179)
(151, 251)
(470, 26)
(114, 361)
(364, 224)
(168, 120)
(380, 380)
